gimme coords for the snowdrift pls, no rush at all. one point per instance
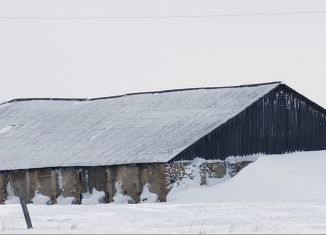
(296, 177)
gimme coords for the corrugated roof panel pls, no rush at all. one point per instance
(138, 128)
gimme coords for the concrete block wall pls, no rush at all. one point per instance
(178, 171)
(130, 180)
(125, 179)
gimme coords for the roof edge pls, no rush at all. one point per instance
(140, 93)
(308, 100)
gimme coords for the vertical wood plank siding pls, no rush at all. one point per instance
(282, 121)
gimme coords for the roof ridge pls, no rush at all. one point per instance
(140, 93)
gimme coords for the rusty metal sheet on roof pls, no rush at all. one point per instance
(138, 128)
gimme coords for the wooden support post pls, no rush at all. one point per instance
(26, 213)
(110, 184)
(22, 198)
(54, 190)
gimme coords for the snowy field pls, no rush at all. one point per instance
(275, 194)
(169, 218)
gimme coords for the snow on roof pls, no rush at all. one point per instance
(136, 128)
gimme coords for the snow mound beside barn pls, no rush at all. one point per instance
(295, 177)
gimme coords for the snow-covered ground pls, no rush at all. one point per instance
(169, 218)
(275, 194)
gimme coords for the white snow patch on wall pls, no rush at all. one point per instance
(147, 196)
(11, 198)
(249, 158)
(40, 199)
(194, 170)
(65, 200)
(92, 198)
(59, 180)
(119, 198)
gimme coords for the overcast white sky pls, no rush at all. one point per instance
(102, 57)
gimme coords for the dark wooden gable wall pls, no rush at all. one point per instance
(282, 121)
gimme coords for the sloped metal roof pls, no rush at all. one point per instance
(136, 128)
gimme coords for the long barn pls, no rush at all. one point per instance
(64, 147)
